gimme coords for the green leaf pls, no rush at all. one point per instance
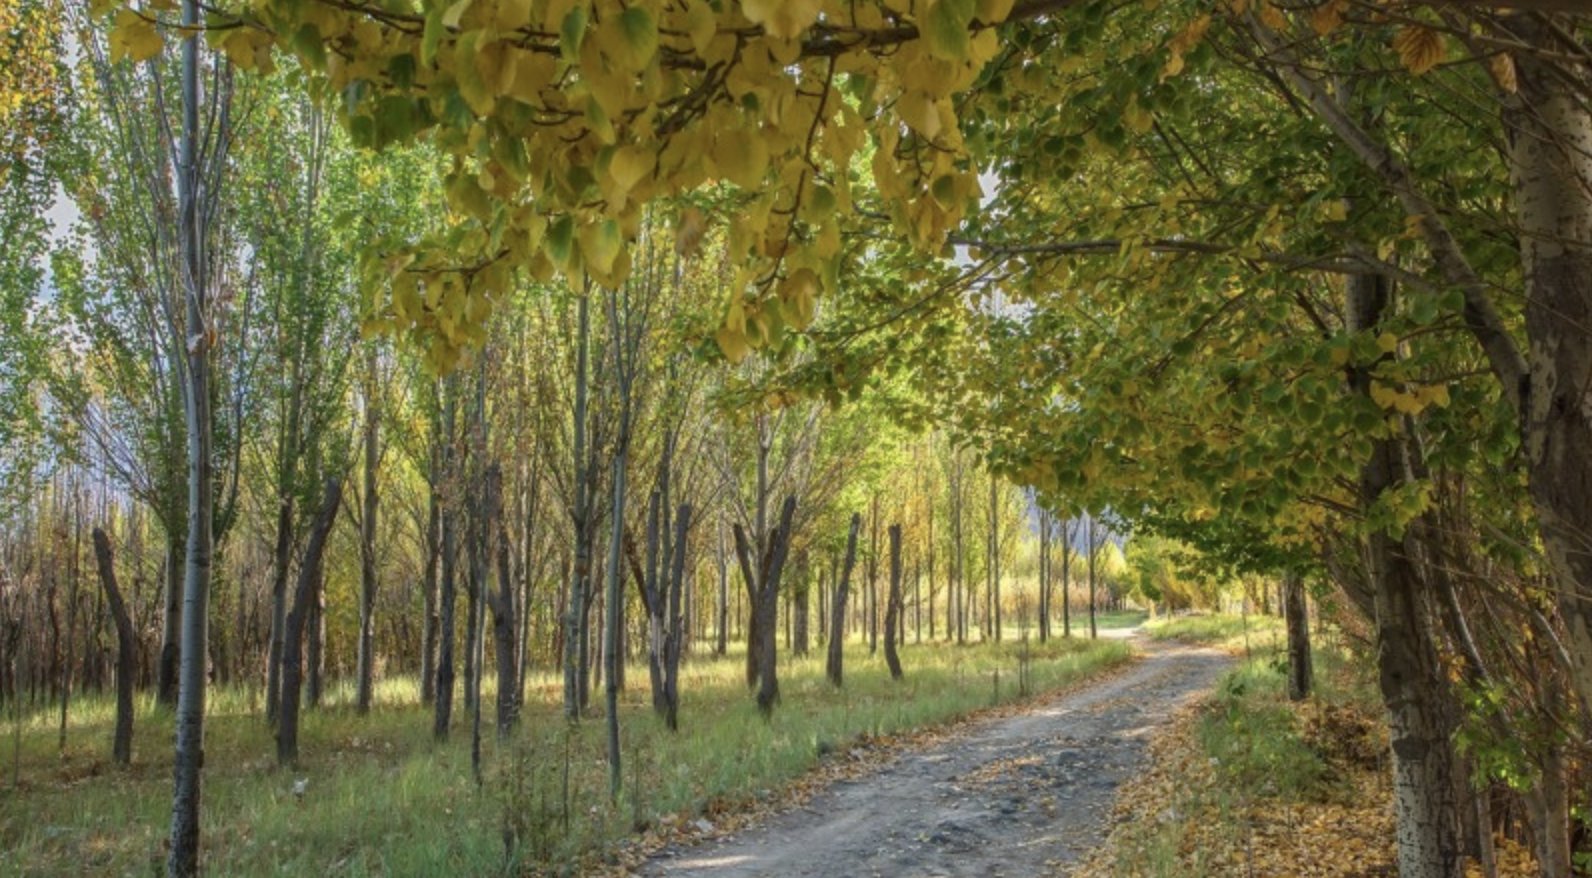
(639, 38)
(431, 37)
(559, 243)
(945, 29)
(571, 33)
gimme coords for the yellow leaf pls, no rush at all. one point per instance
(994, 11)
(600, 243)
(701, 24)
(1419, 48)
(918, 111)
(799, 292)
(1387, 342)
(134, 37)
(741, 157)
(732, 343)
(1502, 68)
(782, 19)
(635, 39)
(629, 166)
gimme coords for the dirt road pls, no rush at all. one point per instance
(1016, 796)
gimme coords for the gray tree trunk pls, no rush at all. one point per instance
(837, 629)
(126, 651)
(1551, 159)
(428, 588)
(447, 597)
(1411, 676)
(183, 859)
(674, 643)
(580, 572)
(297, 617)
(892, 614)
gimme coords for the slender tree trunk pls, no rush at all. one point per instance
(171, 617)
(1294, 610)
(575, 599)
(995, 556)
(892, 615)
(297, 617)
(765, 603)
(428, 587)
(447, 599)
(675, 639)
(189, 760)
(722, 623)
(873, 576)
(367, 544)
(1094, 551)
(315, 660)
(837, 629)
(501, 602)
(1066, 579)
(126, 651)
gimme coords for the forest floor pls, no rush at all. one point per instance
(1019, 794)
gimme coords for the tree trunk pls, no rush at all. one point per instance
(367, 545)
(1411, 676)
(892, 615)
(428, 587)
(615, 609)
(837, 628)
(1094, 550)
(447, 598)
(126, 651)
(297, 617)
(722, 624)
(1066, 579)
(799, 612)
(765, 604)
(652, 602)
(675, 639)
(1294, 610)
(502, 604)
(315, 659)
(1551, 162)
(873, 576)
(994, 596)
(171, 618)
(189, 757)
(575, 599)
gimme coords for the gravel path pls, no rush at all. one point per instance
(1015, 796)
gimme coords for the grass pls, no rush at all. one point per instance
(1250, 634)
(382, 798)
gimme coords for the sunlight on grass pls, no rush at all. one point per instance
(382, 798)
(1238, 633)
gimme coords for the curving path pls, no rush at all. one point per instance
(1017, 795)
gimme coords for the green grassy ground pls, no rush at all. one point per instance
(382, 798)
(1254, 633)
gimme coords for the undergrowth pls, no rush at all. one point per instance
(380, 797)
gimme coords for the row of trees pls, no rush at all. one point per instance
(1304, 287)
